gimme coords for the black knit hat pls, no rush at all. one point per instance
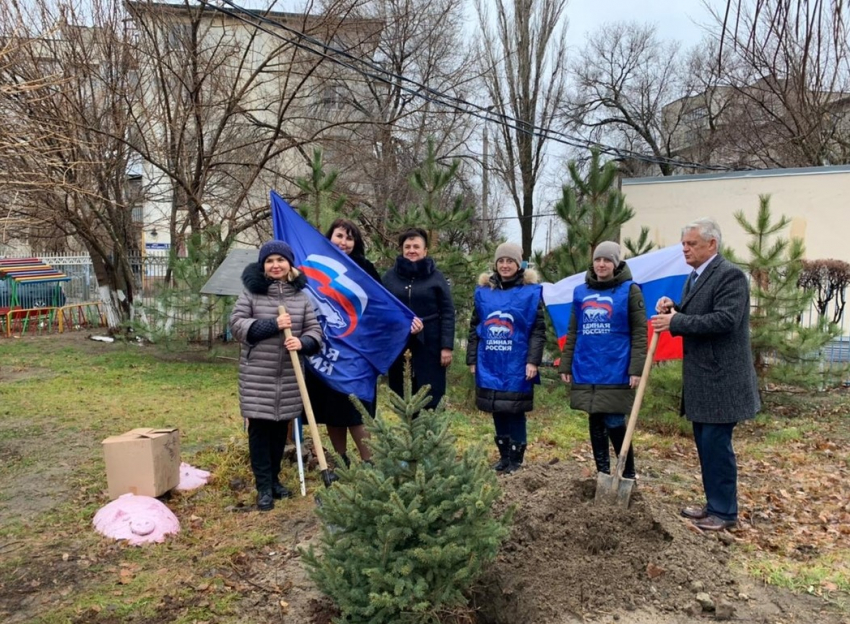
(276, 247)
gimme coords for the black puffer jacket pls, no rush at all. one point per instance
(497, 400)
(423, 289)
(609, 399)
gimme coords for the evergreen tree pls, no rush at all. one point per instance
(783, 350)
(593, 209)
(323, 204)
(403, 538)
(178, 311)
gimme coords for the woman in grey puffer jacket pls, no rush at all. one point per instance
(268, 390)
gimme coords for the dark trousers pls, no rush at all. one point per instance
(719, 468)
(433, 375)
(511, 425)
(266, 439)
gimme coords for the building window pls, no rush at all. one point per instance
(333, 97)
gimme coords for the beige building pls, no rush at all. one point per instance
(768, 123)
(232, 108)
(816, 199)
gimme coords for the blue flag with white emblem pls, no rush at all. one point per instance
(365, 327)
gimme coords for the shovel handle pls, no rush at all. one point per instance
(305, 399)
(630, 429)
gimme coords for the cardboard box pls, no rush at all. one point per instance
(144, 462)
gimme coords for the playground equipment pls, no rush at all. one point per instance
(32, 299)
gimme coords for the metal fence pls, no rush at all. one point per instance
(162, 305)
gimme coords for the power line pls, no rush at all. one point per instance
(438, 97)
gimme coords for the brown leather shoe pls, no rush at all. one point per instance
(713, 523)
(694, 513)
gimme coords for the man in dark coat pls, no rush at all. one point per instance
(720, 386)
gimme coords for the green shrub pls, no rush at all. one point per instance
(403, 538)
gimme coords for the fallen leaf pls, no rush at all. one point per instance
(654, 571)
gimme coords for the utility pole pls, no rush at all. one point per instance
(485, 175)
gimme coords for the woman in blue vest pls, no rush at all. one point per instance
(605, 351)
(507, 333)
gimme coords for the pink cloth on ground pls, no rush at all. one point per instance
(191, 478)
(137, 519)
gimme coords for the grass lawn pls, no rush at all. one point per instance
(61, 395)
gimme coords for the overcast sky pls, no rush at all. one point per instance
(675, 19)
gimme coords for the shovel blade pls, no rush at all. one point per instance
(613, 490)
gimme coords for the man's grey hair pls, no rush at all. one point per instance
(707, 229)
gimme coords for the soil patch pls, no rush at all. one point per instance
(9, 374)
(568, 558)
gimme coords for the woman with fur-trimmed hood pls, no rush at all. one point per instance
(507, 333)
(268, 389)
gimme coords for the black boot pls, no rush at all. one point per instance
(599, 444)
(618, 435)
(280, 492)
(265, 500)
(516, 456)
(503, 443)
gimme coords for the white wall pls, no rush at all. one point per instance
(815, 199)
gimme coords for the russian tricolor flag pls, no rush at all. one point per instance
(658, 273)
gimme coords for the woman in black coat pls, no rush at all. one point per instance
(416, 282)
(333, 408)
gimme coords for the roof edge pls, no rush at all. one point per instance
(731, 175)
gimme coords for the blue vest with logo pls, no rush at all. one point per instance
(603, 335)
(506, 320)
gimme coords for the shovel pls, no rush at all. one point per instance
(328, 476)
(614, 489)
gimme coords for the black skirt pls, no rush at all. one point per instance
(333, 408)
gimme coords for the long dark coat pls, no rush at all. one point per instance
(718, 375)
(423, 289)
(330, 406)
(268, 388)
(501, 400)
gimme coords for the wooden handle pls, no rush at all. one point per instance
(630, 429)
(305, 399)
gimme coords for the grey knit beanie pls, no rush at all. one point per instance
(608, 250)
(509, 250)
(276, 247)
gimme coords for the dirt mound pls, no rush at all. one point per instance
(566, 555)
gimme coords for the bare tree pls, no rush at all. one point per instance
(624, 77)
(214, 109)
(786, 65)
(228, 109)
(62, 151)
(396, 103)
(523, 49)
